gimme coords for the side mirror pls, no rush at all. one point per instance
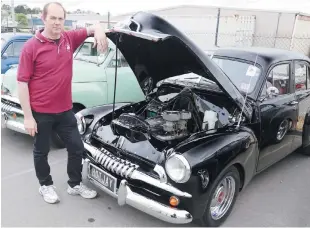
(272, 92)
(4, 56)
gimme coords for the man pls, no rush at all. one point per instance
(44, 87)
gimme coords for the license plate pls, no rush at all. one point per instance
(103, 178)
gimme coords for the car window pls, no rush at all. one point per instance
(89, 53)
(279, 77)
(302, 77)
(14, 49)
(122, 62)
(86, 51)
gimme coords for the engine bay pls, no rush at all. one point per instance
(172, 114)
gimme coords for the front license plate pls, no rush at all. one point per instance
(103, 178)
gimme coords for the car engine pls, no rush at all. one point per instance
(168, 117)
(169, 125)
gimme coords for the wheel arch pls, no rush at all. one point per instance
(78, 107)
(241, 171)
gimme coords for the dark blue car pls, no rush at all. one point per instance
(11, 46)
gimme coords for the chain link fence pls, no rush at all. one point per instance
(212, 41)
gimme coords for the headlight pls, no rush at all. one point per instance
(178, 168)
(81, 123)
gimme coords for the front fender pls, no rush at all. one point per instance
(217, 151)
(97, 112)
(90, 94)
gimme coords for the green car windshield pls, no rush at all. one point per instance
(86, 52)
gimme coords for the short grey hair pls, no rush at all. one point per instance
(45, 8)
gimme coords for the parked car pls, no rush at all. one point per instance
(92, 85)
(11, 45)
(185, 152)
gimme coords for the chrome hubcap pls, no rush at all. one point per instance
(282, 129)
(222, 198)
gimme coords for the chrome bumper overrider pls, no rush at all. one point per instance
(126, 196)
(6, 110)
(12, 124)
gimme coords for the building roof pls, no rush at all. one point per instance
(215, 7)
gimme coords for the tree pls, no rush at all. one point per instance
(22, 20)
(36, 10)
(6, 7)
(24, 9)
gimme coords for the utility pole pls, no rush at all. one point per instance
(13, 16)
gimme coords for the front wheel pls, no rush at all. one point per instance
(283, 128)
(223, 194)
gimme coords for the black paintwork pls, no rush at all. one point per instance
(251, 147)
(174, 54)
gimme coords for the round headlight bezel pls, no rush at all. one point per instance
(186, 165)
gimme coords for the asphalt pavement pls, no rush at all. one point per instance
(280, 196)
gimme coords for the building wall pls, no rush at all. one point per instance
(237, 27)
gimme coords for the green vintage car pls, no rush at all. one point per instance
(92, 85)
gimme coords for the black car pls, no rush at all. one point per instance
(207, 125)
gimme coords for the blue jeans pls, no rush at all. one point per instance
(65, 125)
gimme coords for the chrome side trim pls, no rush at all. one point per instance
(131, 173)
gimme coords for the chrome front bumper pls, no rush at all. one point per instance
(12, 124)
(6, 111)
(158, 210)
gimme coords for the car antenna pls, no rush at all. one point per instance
(116, 48)
(251, 73)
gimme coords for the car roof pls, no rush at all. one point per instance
(8, 36)
(268, 54)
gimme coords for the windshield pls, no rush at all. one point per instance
(2, 42)
(86, 52)
(244, 75)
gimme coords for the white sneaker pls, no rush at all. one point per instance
(82, 190)
(49, 194)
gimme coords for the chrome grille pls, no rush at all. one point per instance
(127, 169)
(5, 107)
(10, 106)
(114, 164)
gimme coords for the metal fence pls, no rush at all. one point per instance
(212, 41)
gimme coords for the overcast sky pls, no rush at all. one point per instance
(124, 6)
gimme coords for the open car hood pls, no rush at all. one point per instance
(156, 50)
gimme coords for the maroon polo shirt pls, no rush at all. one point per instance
(46, 66)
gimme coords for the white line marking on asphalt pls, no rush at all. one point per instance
(30, 170)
